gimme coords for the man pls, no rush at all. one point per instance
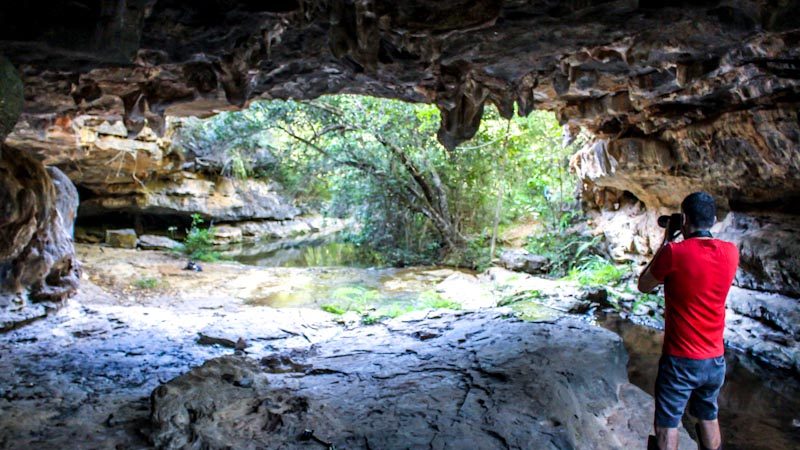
(697, 274)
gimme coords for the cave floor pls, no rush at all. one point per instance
(81, 378)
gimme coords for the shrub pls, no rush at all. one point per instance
(565, 250)
(199, 241)
(596, 271)
(147, 283)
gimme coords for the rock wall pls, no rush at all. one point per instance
(37, 213)
(38, 268)
(140, 173)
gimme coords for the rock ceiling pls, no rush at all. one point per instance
(680, 95)
(704, 92)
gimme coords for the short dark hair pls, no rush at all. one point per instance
(700, 209)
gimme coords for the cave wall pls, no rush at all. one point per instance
(38, 269)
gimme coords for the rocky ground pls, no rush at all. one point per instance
(434, 379)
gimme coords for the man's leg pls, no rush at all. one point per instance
(703, 404)
(709, 434)
(667, 438)
(673, 388)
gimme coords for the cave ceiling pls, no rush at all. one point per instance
(681, 95)
(616, 67)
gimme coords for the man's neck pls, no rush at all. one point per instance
(702, 234)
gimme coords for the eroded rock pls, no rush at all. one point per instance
(521, 260)
(476, 381)
(37, 259)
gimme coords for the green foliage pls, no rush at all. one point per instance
(333, 309)
(596, 271)
(378, 161)
(565, 249)
(148, 283)
(199, 241)
(474, 255)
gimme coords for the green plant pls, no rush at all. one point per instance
(596, 271)
(199, 241)
(351, 298)
(333, 309)
(565, 250)
(147, 283)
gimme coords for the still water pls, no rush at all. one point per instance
(759, 407)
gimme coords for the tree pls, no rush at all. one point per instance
(378, 161)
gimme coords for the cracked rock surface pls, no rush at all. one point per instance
(475, 380)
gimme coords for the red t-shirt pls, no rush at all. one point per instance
(697, 275)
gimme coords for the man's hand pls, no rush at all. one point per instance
(648, 282)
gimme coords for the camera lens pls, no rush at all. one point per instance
(663, 221)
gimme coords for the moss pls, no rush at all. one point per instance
(11, 97)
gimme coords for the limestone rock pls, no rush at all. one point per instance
(125, 238)
(154, 242)
(467, 290)
(553, 294)
(778, 312)
(516, 380)
(225, 234)
(282, 229)
(769, 251)
(186, 193)
(521, 260)
(37, 259)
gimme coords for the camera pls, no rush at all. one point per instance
(672, 223)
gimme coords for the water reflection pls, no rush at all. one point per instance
(318, 253)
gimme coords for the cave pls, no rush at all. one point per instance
(675, 97)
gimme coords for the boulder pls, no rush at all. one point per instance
(155, 242)
(520, 260)
(467, 290)
(778, 312)
(124, 238)
(769, 251)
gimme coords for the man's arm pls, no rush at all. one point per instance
(647, 280)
